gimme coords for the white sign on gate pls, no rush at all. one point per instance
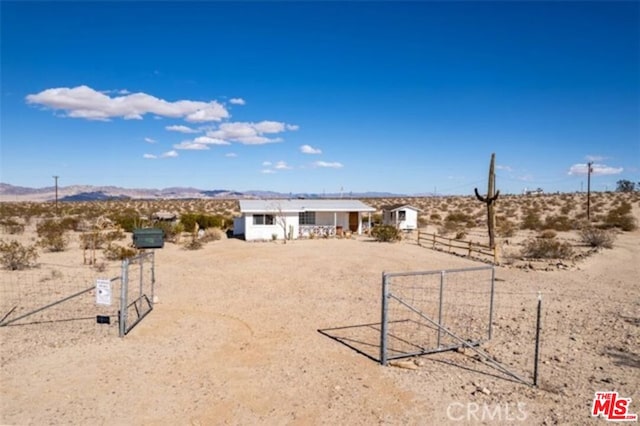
(103, 292)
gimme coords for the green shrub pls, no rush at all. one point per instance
(621, 217)
(542, 248)
(531, 220)
(558, 223)
(595, 237)
(385, 233)
(14, 256)
(204, 221)
(128, 219)
(52, 235)
(171, 230)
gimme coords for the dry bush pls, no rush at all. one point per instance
(558, 223)
(548, 234)
(621, 217)
(504, 227)
(542, 248)
(595, 237)
(12, 226)
(116, 252)
(52, 235)
(531, 220)
(92, 240)
(14, 256)
(212, 234)
(194, 243)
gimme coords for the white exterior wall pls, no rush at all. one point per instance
(265, 232)
(410, 222)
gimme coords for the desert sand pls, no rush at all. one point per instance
(234, 339)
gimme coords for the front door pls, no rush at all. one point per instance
(353, 221)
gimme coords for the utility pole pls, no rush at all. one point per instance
(589, 190)
(56, 179)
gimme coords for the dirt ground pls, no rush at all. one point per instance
(234, 339)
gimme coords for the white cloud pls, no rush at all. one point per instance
(123, 92)
(282, 165)
(592, 158)
(292, 127)
(149, 140)
(505, 168)
(267, 171)
(85, 102)
(249, 133)
(231, 155)
(210, 141)
(308, 149)
(150, 156)
(189, 145)
(333, 165)
(237, 101)
(596, 169)
(181, 129)
(170, 154)
(266, 163)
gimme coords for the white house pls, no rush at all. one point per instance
(269, 219)
(402, 216)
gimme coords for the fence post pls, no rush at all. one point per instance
(124, 289)
(419, 237)
(440, 306)
(537, 352)
(493, 281)
(383, 322)
(469, 255)
(434, 241)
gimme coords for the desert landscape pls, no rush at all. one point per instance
(234, 334)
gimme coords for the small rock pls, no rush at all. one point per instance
(409, 365)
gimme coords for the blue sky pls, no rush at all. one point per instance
(320, 96)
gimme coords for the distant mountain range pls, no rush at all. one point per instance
(100, 193)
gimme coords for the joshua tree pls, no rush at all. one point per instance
(489, 200)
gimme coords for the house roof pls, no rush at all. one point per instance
(301, 205)
(399, 207)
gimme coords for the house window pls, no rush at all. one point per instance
(263, 219)
(402, 215)
(307, 218)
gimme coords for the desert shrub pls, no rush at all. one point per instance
(212, 234)
(92, 240)
(422, 222)
(128, 219)
(194, 243)
(15, 256)
(385, 233)
(171, 230)
(52, 235)
(70, 223)
(621, 217)
(558, 223)
(116, 252)
(531, 220)
(435, 217)
(204, 221)
(504, 227)
(595, 237)
(460, 235)
(548, 234)
(115, 235)
(543, 248)
(12, 226)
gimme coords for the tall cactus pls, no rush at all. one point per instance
(489, 200)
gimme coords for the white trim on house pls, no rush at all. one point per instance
(329, 217)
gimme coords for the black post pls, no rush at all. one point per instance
(537, 352)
